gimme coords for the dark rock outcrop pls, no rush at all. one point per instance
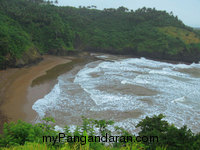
(31, 56)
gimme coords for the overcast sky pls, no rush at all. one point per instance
(186, 10)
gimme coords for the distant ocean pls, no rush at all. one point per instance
(125, 90)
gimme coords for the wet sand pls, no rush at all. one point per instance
(17, 93)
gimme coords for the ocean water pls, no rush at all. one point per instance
(125, 90)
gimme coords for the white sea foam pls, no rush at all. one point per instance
(49, 101)
(111, 86)
(180, 99)
(59, 129)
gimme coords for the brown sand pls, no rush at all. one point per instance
(16, 94)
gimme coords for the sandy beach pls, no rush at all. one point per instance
(16, 93)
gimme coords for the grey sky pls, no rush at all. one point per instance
(186, 10)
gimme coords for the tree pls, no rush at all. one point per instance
(168, 135)
(56, 1)
(122, 9)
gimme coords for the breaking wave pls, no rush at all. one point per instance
(126, 90)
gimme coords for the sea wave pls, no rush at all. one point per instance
(126, 90)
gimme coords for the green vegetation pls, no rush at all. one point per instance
(186, 36)
(197, 30)
(22, 135)
(13, 40)
(60, 30)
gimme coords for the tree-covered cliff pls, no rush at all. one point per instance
(38, 27)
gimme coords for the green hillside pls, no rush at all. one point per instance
(61, 30)
(16, 47)
(186, 36)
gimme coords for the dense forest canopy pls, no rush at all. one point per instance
(42, 27)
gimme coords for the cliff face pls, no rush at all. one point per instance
(16, 46)
(29, 57)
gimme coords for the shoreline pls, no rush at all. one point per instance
(21, 87)
(167, 60)
(16, 92)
